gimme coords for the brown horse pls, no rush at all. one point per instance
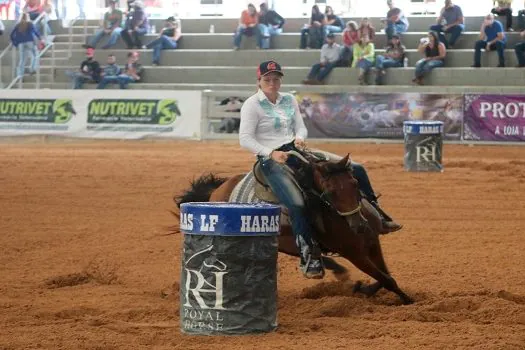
(345, 223)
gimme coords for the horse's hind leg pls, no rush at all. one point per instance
(385, 280)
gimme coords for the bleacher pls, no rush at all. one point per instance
(208, 61)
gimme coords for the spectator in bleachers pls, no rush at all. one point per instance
(111, 25)
(133, 71)
(395, 21)
(521, 18)
(367, 29)
(393, 58)
(23, 38)
(47, 9)
(247, 26)
(435, 53)
(136, 26)
(332, 23)
(450, 21)
(491, 37)
(350, 37)
(330, 55)
(89, 71)
(364, 53)
(110, 73)
(167, 40)
(504, 9)
(312, 35)
(270, 24)
(520, 51)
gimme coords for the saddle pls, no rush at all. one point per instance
(263, 190)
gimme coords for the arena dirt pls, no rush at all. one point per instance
(86, 262)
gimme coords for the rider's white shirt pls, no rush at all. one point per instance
(266, 126)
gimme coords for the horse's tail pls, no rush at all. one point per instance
(200, 191)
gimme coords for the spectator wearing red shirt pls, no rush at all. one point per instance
(247, 25)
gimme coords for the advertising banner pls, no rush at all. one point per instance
(355, 115)
(494, 118)
(119, 114)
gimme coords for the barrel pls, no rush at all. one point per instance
(229, 268)
(423, 145)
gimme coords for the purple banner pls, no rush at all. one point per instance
(494, 118)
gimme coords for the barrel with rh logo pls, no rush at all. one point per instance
(229, 268)
(423, 145)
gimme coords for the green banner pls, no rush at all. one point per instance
(56, 111)
(133, 111)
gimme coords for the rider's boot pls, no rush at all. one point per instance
(389, 225)
(311, 263)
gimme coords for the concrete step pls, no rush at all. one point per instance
(250, 58)
(288, 41)
(340, 76)
(228, 25)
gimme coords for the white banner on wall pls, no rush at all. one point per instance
(121, 114)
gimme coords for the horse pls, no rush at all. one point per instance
(345, 223)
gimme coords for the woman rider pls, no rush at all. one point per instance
(271, 125)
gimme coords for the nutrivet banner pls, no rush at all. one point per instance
(494, 118)
(112, 114)
(356, 115)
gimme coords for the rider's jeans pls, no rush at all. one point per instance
(365, 186)
(290, 196)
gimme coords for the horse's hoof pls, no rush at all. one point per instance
(407, 300)
(357, 287)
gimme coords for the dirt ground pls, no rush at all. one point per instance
(85, 262)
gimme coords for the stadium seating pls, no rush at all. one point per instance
(206, 60)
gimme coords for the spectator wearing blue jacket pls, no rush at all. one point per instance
(23, 38)
(492, 38)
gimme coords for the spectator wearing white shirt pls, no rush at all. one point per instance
(330, 56)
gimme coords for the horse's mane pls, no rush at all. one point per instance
(200, 189)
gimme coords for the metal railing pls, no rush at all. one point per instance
(70, 31)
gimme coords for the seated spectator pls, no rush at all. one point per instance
(520, 51)
(167, 40)
(330, 55)
(270, 24)
(23, 38)
(393, 58)
(110, 73)
(247, 26)
(89, 71)
(133, 71)
(435, 53)
(111, 25)
(491, 37)
(367, 29)
(504, 9)
(364, 52)
(450, 21)
(396, 22)
(332, 23)
(231, 104)
(350, 37)
(312, 35)
(136, 26)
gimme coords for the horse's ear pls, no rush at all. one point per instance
(345, 160)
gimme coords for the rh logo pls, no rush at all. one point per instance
(206, 278)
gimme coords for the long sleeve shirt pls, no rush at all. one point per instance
(18, 37)
(330, 53)
(367, 53)
(248, 19)
(266, 126)
(271, 18)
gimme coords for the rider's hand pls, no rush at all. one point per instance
(300, 144)
(279, 157)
